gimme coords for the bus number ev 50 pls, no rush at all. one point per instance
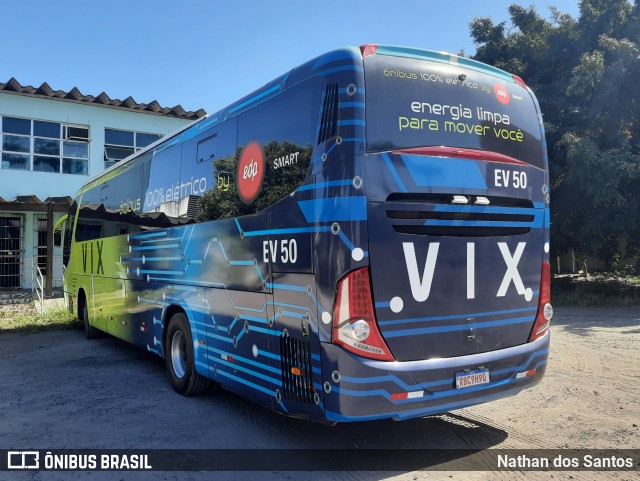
(287, 248)
(510, 178)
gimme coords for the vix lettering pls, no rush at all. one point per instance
(87, 255)
(421, 284)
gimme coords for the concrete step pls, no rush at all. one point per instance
(15, 297)
(19, 311)
(16, 303)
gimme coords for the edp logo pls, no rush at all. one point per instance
(250, 171)
(501, 93)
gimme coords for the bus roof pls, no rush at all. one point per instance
(317, 66)
(443, 57)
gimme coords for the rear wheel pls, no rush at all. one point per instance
(90, 332)
(179, 358)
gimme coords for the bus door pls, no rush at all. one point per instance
(107, 280)
(84, 255)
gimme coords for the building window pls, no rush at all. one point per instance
(119, 144)
(44, 146)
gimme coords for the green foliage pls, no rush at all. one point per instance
(56, 318)
(585, 74)
(599, 290)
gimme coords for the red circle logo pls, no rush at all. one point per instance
(502, 94)
(250, 172)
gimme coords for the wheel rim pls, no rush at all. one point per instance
(179, 354)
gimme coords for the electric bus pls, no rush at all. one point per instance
(364, 237)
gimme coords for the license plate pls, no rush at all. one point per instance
(472, 378)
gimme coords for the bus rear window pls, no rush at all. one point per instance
(419, 103)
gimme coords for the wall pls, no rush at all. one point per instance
(45, 184)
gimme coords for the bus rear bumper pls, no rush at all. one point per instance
(370, 390)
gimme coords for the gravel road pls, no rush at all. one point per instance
(61, 391)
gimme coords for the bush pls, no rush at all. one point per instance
(604, 290)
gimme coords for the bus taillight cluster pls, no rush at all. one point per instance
(354, 319)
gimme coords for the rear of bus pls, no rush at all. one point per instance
(454, 307)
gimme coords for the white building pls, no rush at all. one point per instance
(52, 142)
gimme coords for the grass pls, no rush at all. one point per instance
(601, 289)
(55, 319)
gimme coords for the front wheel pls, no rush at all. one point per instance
(179, 358)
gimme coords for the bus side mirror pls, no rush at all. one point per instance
(57, 231)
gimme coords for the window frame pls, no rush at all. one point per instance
(33, 138)
(135, 146)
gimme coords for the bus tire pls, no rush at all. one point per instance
(179, 358)
(90, 332)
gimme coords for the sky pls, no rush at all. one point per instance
(209, 53)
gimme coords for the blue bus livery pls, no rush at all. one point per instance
(365, 237)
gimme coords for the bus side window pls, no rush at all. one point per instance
(130, 193)
(90, 216)
(165, 195)
(272, 157)
(198, 170)
(207, 149)
(110, 203)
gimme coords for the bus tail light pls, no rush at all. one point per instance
(545, 311)
(354, 319)
(519, 81)
(436, 151)
(368, 49)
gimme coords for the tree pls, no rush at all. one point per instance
(585, 74)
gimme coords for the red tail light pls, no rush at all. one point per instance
(368, 49)
(545, 311)
(461, 153)
(354, 320)
(519, 81)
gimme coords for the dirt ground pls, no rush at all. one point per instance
(590, 394)
(589, 398)
(60, 391)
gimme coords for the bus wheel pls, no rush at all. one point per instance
(90, 332)
(180, 359)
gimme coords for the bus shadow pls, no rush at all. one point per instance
(448, 440)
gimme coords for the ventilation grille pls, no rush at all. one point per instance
(297, 383)
(194, 208)
(437, 215)
(329, 122)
